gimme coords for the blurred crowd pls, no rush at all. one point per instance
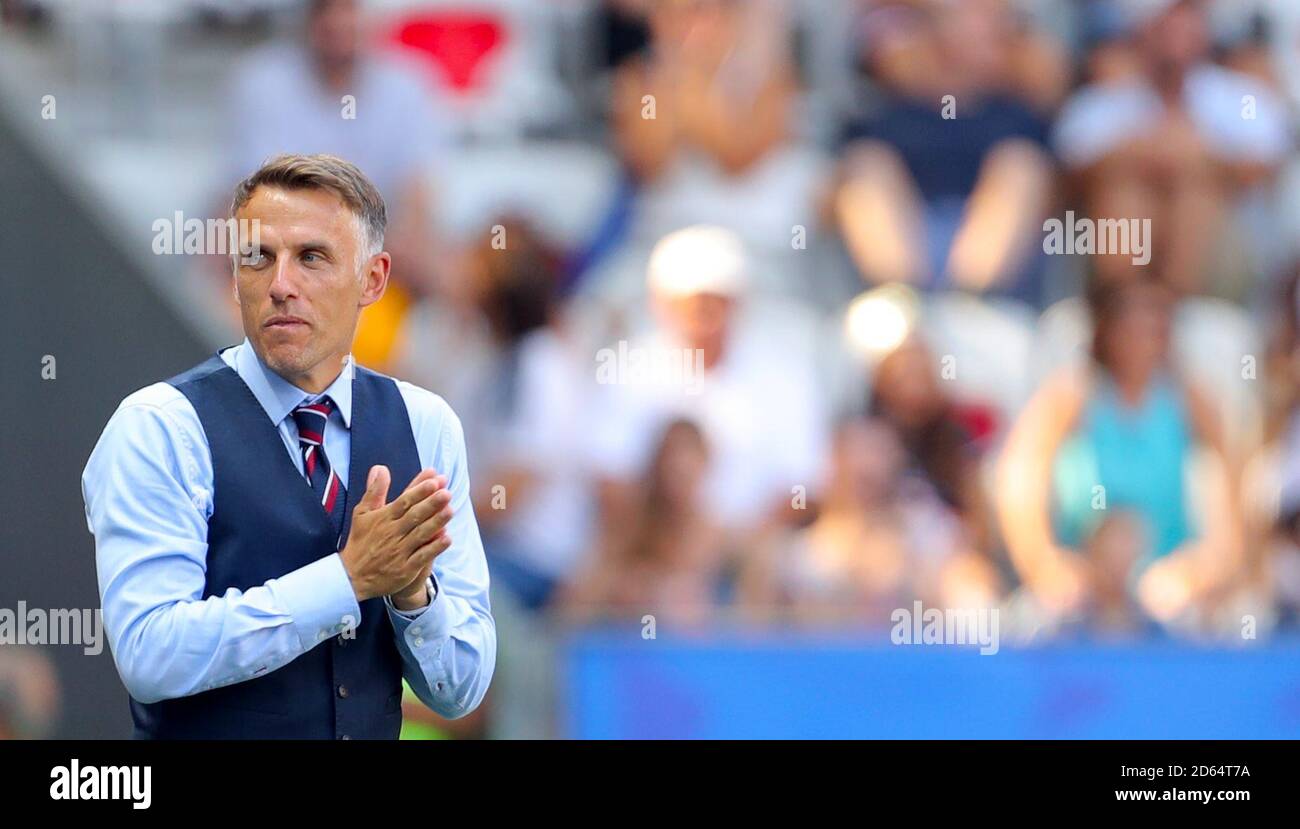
(811, 359)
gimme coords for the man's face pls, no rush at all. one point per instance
(974, 33)
(907, 385)
(334, 32)
(301, 292)
(1179, 37)
(701, 319)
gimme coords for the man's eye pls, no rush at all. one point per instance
(253, 260)
(311, 257)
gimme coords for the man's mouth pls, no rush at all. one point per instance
(282, 322)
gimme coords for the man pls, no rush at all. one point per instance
(742, 373)
(281, 535)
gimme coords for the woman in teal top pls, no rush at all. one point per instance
(1110, 445)
(1136, 453)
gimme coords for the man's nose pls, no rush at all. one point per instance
(283, 280)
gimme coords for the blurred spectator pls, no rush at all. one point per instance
(1277, 568)
(1283, 367)
(1179, 142)
(706, 78)
(902, 45)
(881, 539)
(701, 120)
(1118, 439)
(752, 394)
(1276, 565)
(947, 181)
(667, 559)
(330, 93)
(1107, 54)
(29, 694)
(908, 395)
(460, 342)
(515, 368)
(1110, 554)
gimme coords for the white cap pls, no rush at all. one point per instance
(701, 259)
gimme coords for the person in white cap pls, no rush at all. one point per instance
(696, 277)
(750, 390)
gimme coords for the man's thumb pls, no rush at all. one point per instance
(376, 488)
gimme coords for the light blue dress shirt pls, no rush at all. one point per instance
(148, 493)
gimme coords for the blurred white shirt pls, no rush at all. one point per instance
(760, 410)
(549, 527)
(278, 105)
(1237, 116)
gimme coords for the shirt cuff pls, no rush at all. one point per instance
(320, 600)
(431, 590)
(429, 624)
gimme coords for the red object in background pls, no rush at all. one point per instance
(980, 421)
(455, 43)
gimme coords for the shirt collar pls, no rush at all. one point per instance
(279, 397)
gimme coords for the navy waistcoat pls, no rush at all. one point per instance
(266, 522)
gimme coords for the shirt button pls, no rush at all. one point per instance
(416, 630)
(343, 691)
(419, 643)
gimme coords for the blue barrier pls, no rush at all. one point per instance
(791, 685)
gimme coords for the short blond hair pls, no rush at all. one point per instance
(323, 172)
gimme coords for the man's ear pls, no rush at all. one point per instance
(374, 278)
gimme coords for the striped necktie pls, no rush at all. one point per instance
(311, 420)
